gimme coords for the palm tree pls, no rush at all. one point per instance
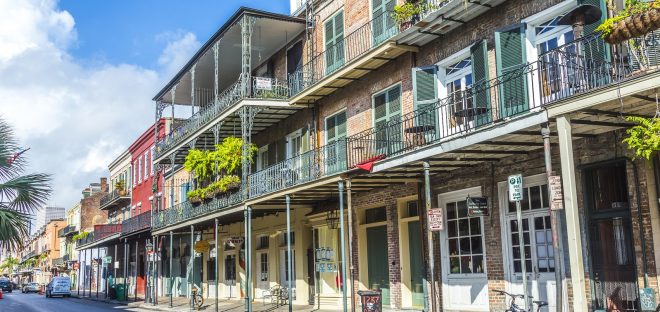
(20, 194)
(9, 264)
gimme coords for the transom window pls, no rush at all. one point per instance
(459, 66)
(374, 215)
(465, 240)
(534, 198)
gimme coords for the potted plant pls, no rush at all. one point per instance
(637, 19)
(120, 186)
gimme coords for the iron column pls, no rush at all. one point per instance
(349, 209)
(342, 238)
(429, 238)
(289, 263)
(217, 254)
(170, 259)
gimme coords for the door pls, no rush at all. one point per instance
(610, 239)
(416, 263)
(378, 266)
(262, 273)
(294, 67)
(383, 25)
(335, 141)
(284, 270)
(559, 69)
(297, 168)
(230, 276)
(537, 247)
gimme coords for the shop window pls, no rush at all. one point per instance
(374, 215)
(535, 197)
(608, 188)
(465, 240)
(262, 242)
(210, 271)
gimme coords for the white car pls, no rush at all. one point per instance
(59, 286)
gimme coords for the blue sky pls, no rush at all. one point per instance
(136, 31)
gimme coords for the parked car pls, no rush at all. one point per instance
(30, 287)
(59, 286)
(6, 285)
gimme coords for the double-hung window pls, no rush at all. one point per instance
(146, 165)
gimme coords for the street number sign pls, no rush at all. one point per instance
(435, 219)
(515, 187)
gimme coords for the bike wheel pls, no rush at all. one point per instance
(199, 301)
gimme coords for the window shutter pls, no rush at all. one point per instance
(425, 90)
(511, 58)
(330, 130)
(281, 150)
(394, 103)
(305, 139)
(341, 125)
(339, 39)
(480, 85)
(380, 110)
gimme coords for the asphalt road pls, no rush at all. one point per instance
(19, 302)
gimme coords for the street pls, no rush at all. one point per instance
(19, 302)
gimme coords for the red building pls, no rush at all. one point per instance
(142, 168)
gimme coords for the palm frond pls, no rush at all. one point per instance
(26, 193)
(9, 167)
(13, 229)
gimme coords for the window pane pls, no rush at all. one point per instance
(453, 247)
(476, 245)
(463, 227)
(478, 264)
(535, 197)
(451, 211)
(475, 226)
(461, 207)
(465, 264)
(465, 246)
(452, 229)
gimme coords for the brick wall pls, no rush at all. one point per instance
(91, 213)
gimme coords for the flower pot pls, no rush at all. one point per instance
(121, 192)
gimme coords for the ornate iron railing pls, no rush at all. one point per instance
(58, 261)
(589, 63)
(102, 231)
(137, 223)
(185, 211)
(111, 197)
(306, 167)
(67, 230)
(259, 88)
(66, 257)
(362, 40)
(459, 113)
(86, 240)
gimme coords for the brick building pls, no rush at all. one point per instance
(359, 117)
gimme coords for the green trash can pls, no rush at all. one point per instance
(120, 292)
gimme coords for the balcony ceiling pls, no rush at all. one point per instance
(270, 34)
(442, 21)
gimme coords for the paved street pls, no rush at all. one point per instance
(19, 302)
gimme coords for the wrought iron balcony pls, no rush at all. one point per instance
(59, 261)
(186, 211)
(589, 63)
(102, 231)
(136, 224)
(362, 40)
(66, 258)
(85, 240)
(258, 88)
(115, 199)
(67, 230)
(306, 167)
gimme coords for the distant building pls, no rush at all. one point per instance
(45, 215)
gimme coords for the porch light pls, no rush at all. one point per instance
(332, 219)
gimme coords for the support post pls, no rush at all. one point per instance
(192, 90)
(171, 254)
(289, 263)
(215, 76)
(248, 253)
(98, 270)
(192, 265)
(429, 237)
(555, 222)
(79, 270)
(246, 52)
(126, 255)
(137, 249)
(569, 186)
(247, 268)
(349, 210)
(342, 238)
(215, 263)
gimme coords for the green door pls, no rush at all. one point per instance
(377, 265)
(416, 264)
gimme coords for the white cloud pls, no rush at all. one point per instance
(75, 118)
(178, 51)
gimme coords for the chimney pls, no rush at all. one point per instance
(104, 184)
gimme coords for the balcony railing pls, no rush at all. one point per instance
(113, 197)
(459, 113)
(186, 210)
(137, 223)
(306, 167)
(362, 40)
(260, 88)
(588, 63)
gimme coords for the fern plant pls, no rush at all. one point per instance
(644, 137)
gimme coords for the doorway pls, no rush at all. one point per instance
(230, 275)
(416, 263)
(378, 266)
(614, 277)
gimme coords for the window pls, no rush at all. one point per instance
(262, 242)
(412, 209)
(146, 165)
(284, 237)
(139, 170)
(262, 158)
(135, 175)
(263, 264)
(465, 240)
(151, 152)
(554, 69)
(334, 42)
(375, 215)
(534, 198)
(383, 23)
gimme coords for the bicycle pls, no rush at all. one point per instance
(513, 307)
(197, 299)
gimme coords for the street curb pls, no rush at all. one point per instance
(100, 300)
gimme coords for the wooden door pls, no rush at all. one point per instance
(416, 263)
(378, 267)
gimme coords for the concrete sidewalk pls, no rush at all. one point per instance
(234, 305)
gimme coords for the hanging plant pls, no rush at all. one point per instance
(408, 13)
(644, 137)
(638, 18)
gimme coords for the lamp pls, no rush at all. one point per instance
(332, 219)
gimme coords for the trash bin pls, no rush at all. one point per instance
(112, 292)
(371, 300)
(120, 292)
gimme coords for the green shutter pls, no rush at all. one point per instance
(480, 84)
(596, 50)
(425, 90)
(334, 42)
(387, 110)
(511, 58)
(272, 154)
(383, 24)
(305, 139)
(336, 151)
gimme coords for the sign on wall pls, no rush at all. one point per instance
(435, 219)
(515, 187)
(556, 195)
(107, 259)
(261, 83)
(477, 206)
